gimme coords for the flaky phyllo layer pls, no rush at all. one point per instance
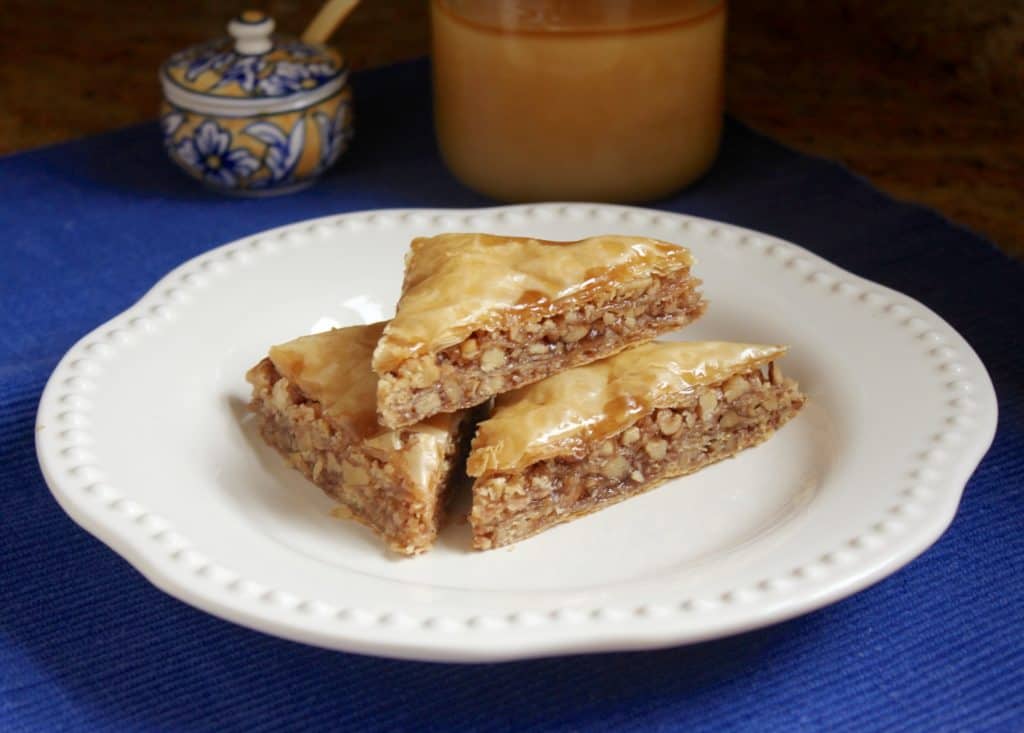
(481, 315)
(589, 437)
(316, 398)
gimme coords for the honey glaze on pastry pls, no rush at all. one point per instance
(567, 412)
(585, 439)
(315, 400)
(481, 314)
(458, 283)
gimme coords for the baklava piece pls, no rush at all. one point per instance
(592, 436)
(481, 314)
(315, 398)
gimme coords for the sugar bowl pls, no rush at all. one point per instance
(255, 113)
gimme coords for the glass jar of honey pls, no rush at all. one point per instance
(601, 100)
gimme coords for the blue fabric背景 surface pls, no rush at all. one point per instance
(87, 644)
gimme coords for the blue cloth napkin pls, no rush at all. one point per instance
(86, 643)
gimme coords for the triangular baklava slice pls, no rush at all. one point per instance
(595, 435)
(481, 314)
(316, 401)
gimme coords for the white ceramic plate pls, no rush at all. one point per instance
(144, 440)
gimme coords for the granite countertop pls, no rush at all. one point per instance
(924, 98)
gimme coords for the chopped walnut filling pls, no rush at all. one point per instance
(371, 483)
(532, 348)
(707, 425)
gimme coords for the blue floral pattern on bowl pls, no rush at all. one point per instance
(283, 149)
(208, 150)
(335, 133)
(258, 114)
(217, 69)
(267, 154)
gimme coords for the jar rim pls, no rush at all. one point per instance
(557, 17)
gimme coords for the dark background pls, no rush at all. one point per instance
(923, 97)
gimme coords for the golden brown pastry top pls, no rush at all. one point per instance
(333, 368)
(458, 283)
(568, 412)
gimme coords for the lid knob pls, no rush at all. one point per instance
(251, 31)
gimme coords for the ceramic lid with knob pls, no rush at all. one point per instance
(252, 71)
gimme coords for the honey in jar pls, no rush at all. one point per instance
(600, 100)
